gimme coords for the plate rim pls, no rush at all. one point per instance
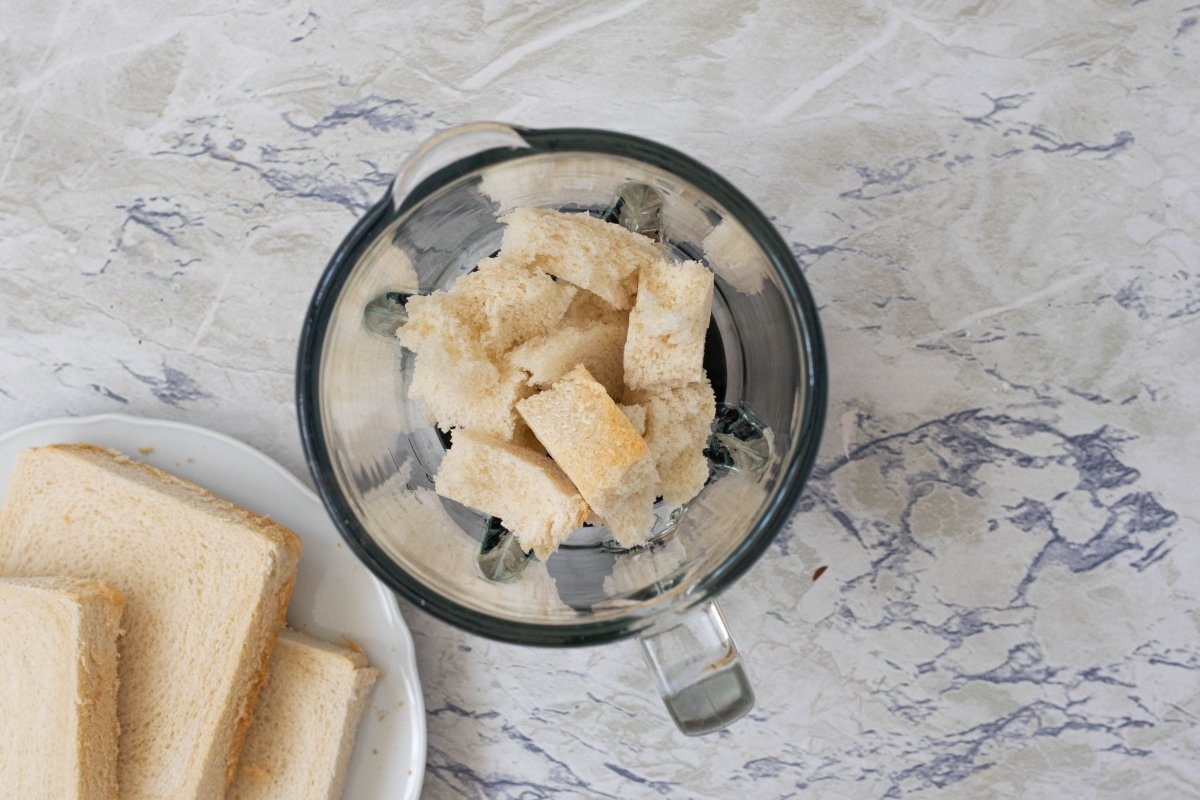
(390, 601)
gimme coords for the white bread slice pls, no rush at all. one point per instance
(665, 345)
(58, 688)
(452, 402)
(599, 346)
(303, 732)
(526, 490)
(589, 252)
(595, 444)
(678, 422)
(207, 585)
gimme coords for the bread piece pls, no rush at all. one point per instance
(439, 333)
(637, 417)
(594, 443)
(452, 402)
(486, 312)
(58, 688)
(460, 336)
(512, 302)
(526, 490)
(589, 252)
(599, 346)
(207, 585)
(589, 307)
(303, 732)
(665, 345)
(677, 426)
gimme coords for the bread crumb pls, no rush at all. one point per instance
(146, 450)
(191, 460)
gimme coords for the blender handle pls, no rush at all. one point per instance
(446, 147)
(699, 671)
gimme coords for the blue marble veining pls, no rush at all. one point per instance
(988, 587)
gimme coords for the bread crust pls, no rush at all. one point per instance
(270, 528)
(95, 608)
(212, 774)
(259, 680)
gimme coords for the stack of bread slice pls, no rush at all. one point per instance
(569, 369)
(92, 542)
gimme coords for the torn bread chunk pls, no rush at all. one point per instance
(511, 302)
(438, 332)
(665, 344)
(453, 402)
(303, 732)
(526, 490)
(58, 688)
(589, 252)
(637, 417)
(589, 307)
(460, 336)
(486, 312)
(598, 346)
(678, 422)
(595, 444)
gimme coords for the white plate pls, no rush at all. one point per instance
(335, 595)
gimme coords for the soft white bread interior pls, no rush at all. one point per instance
(58, 688)
(637, 417)
(206, 583)
(589, 252)
(595, 444)
(526, 490)
(678, 422)
(499, 305)
(589, 307)
(452, 403)
(460, 338)
(304, 727)
(665, 345)
(598, 346)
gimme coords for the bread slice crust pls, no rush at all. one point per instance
(84, 510)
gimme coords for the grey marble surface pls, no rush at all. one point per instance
(995, 203)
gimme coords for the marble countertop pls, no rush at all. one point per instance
(996, 205)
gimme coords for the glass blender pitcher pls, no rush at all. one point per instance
(373, 457)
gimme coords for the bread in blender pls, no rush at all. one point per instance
(526, 490)
(593, 254)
